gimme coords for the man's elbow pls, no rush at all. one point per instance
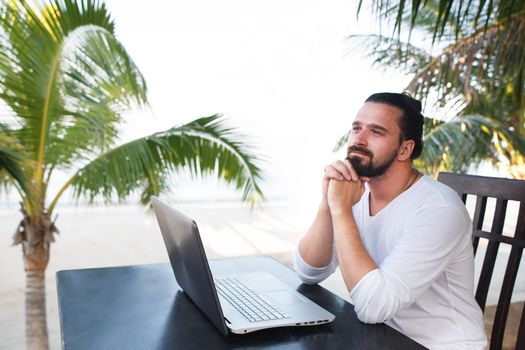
(378, 298)
(366, 315)
(308, 274)
(378, 308)
(307, 280)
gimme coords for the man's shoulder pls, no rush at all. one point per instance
(438, 191)
(434, 194)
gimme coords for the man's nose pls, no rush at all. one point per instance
(360, 138)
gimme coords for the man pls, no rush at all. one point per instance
(403, 241)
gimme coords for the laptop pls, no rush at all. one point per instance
(236, 303)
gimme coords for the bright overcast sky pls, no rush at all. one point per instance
(278, 69)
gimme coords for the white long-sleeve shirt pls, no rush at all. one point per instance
(423, 286)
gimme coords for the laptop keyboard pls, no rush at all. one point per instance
(249, 304)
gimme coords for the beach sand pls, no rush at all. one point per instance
(128, 235)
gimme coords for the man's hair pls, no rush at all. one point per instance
(411, 120)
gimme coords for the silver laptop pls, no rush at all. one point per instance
(240, 303)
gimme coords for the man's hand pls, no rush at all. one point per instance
(342, 195)
(347, 186)
(339, 170)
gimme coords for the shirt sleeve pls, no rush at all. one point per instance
(426, 247)
(309, 274)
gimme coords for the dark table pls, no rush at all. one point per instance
(142, 307)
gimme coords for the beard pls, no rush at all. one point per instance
(368, 168)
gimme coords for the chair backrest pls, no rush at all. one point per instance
(502, 190)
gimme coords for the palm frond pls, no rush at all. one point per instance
(65, 76)
(450, 14)
(482, 60)
(486, 65)
(342, 141)
(426, 18)
(464, 142)
(12, 162)
(390, 52)
(100, 81)
(204, 146)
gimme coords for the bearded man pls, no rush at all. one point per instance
(401, 239)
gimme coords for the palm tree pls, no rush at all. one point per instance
(64, 82)
(474, 72)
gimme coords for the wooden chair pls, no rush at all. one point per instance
(502, 190)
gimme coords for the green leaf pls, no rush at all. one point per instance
(10, 163)
(343, 140)
(66, 80)
(450, 15)
(464, 142)
(389, 52)
(66, 77)
(205, 147)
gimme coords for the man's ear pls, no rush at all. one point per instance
(405, 150)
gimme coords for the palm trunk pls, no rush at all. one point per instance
(36, 322)
(35, 233)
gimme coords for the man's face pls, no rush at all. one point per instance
(374, 141)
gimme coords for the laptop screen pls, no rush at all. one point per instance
(189, 262)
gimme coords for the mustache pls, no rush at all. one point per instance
(360, 150)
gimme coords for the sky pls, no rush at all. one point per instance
(280, 71)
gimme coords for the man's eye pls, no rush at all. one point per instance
(356, 128)
(376, 132)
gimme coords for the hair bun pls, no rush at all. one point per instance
(412, 101)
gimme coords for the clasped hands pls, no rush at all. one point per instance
(342, 187)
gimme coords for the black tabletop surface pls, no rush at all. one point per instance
(142, 307)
